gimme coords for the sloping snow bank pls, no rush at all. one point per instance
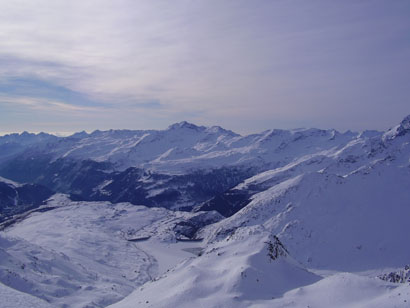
(80, 253)
(240, 272)
(11, 298)
(233, 273)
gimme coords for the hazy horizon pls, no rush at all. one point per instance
(66, 134)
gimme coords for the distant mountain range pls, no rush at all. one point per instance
(197, 216)
(185, 166)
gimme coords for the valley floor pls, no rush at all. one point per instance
(82, 254)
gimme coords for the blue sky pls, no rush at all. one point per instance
(67, 66)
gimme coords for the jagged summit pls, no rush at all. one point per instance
(404, 126)
(186, 125)
(79, 135)
(399, 130)
(220, 130)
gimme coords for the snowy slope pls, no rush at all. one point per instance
(180, 167)
(240, 273)
(225, 274)
(322, 216)
(11, 298)
(343, 209)
(353, 223)
(331, 216)
(344, 290)
(14, 144)
(184, 147)
(80, 254)
(361, 153)
(341, 224)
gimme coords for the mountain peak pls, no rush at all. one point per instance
(79, 135)
(185, 124)
(220, 130)
(400, 130)
(404, 126)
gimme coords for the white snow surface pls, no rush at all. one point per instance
(339, 203)
(342, 213)
(238, 273)
(333, 215)
(11, 298)
(184, 147)
(78, 254)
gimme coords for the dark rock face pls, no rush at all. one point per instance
(18, 199)
(227, 203)
(7, 195)
(33, 194)
(401, 276)
(233, 200)
(170, 191)
(404, 126)
(62, 175)
(89, 180)
(276, 248)
(189, 227)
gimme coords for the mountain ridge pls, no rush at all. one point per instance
(184, 150)
(306, 217)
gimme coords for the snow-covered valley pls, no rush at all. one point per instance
(84, 254)
(196, 216)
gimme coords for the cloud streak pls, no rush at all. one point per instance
(149, 63)
(46, 105)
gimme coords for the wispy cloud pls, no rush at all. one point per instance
(270, 63)
(44, 104)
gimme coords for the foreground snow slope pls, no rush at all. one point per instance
(240, 273)
(12, 298)
(335, 211)
(344, 290)
(79, 253)
(226, 274)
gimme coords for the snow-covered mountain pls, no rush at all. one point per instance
(184, 147)
(181, 166)
(343, 210)
(311, 218)
(79, 254)
(14, 144)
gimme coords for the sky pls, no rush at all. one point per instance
(69, 66)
